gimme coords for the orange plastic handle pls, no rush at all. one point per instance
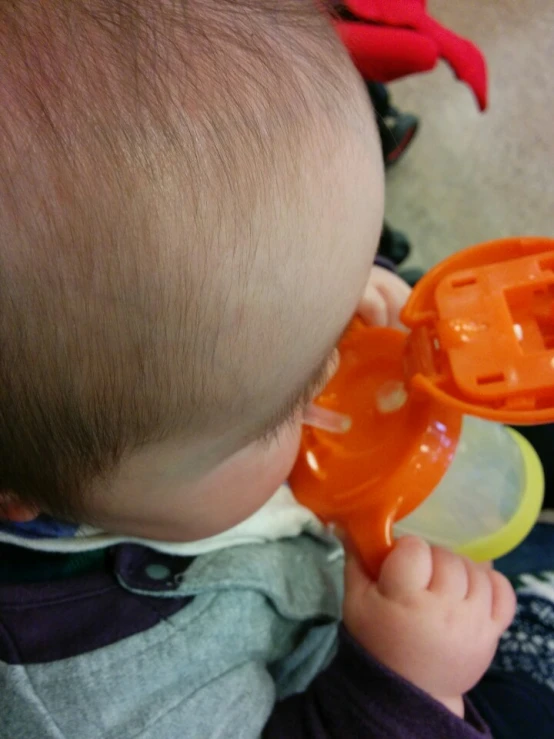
(387, 463)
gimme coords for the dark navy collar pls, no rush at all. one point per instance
(42, 527)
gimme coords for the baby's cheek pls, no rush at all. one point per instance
(287, 448)
(276, 458)
(251, 477)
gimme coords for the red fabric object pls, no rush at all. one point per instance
(389, 39)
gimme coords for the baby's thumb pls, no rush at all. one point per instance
(359, 595)
(355, 569)
(357, 582)
(407, 569)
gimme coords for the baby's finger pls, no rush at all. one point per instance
(396, 296)
(480, 589)
(486, 565)
(373, 308)
(407, 569)
(356, 578)
(450, 575)
(503, 600)
(358, 588)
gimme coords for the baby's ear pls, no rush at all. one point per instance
(13, 509)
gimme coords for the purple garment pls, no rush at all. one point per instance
(356, 697)
(48, 621)
(381, 261)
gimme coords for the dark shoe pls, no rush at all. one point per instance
(411, 275)
(397, 131)
(393, 245)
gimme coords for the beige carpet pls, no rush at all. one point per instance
(469, 177)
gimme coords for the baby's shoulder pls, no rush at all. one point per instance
(175, 639)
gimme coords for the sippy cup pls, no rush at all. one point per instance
(420, 454)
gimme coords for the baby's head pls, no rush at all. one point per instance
(190, 202)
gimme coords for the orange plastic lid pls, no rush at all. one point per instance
(481, 342)
(482, 331)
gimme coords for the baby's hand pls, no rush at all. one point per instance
(383, 299)
(433, 617)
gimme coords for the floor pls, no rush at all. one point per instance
(471, 177)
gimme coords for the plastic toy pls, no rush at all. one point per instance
(480, 345)
(389, 39)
